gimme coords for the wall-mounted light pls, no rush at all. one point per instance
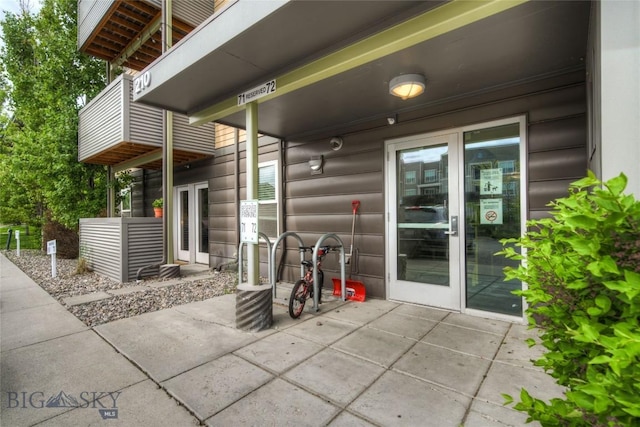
(407, 85)
(315, 164)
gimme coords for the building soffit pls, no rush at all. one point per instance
(431, 24)
(462, 47)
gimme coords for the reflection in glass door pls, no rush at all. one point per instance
(192, 223)
(493, 212)
(451, 198)
(424, 205)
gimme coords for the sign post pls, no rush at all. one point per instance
(51, 250)
(18, 242)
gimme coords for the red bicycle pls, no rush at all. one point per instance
(303, 288)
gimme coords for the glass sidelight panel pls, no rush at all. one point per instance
(492, 211)
(203, 218)
(422, 215)
(184, 220)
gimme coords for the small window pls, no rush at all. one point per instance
(125, 202)
(268, 195)
(507, 166)
(430, 175)
(410, 177)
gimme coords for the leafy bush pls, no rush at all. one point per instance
(583, 273)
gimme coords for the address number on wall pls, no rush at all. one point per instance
(142, 82)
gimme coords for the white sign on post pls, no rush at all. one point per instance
(51, 250)
(18, 242)
(249, 221)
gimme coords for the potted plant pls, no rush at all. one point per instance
(157, 208)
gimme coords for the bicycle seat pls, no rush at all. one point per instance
(307, 263)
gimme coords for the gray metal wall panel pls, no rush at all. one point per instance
(199, 139)
(144, 245)
(100, 245)
(145, 121)
(90, 13)
(100, 121)
(193, 12)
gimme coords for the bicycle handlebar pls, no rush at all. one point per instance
(326, 248)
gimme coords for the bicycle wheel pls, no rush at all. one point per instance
(297, 299)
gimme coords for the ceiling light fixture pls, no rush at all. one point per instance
(407, 85)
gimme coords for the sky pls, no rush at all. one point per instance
(14, 5)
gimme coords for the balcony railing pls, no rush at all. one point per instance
(113, 130)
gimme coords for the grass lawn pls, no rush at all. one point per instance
(32, 240)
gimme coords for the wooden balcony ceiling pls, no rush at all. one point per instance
(123, 36)
(129, 151)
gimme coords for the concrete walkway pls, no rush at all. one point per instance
(377, 363)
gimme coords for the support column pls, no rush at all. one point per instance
(111, 192)
(254, 302)
(253, 257)
(167, 146)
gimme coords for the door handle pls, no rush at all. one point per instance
(453, 226)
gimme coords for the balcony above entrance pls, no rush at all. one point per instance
(115, 131)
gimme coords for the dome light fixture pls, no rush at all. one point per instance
(407, 86)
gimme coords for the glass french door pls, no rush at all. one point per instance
(192, 223)
(451, 198)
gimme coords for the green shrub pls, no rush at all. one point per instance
(582, 269)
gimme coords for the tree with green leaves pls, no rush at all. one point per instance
(44, 81)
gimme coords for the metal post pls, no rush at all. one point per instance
(167, 155)
(253, 255)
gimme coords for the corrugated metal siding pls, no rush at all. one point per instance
(90, 13)
(100, 245)
(144, 246)
(145, 122)
(100, 121)
(118, 247)
(193, 12)
(199, 139)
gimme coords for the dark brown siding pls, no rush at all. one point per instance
(318, 204)
(225, 191)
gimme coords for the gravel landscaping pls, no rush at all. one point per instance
(119, 300)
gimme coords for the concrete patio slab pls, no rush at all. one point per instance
(140, 404)
(374, 345)
(335, 376)
(220, 310)
(478, 323)
(346, 419)
(403, 325)
(510, 379)
(86, 298)
(128, 290)
(166, 343)
(399, 400)
(464, 340)
(279, 352)
(451, 369)
(514, 349)
(40, 320)
(323, 330)
(421, 312)
(82, 357)
(360, 313)
(209, 388)
(278, 403)
(484, 414)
